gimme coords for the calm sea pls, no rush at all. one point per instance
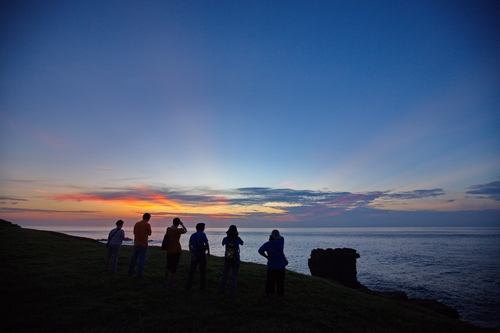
(459, 267)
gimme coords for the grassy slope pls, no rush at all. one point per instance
(54, 282)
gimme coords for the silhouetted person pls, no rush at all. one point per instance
(174, 250)
(231, 259)
(142, 231)
(198, 245)
(276, 263)
(115, 239)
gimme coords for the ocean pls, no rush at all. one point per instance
(459, 267)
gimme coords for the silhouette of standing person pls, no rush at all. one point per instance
(198, 245)
(142, 231)
(115, 239)
(174, 250)
(231, 260)
(273, 252)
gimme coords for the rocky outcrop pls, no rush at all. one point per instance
(335, 264)
(340, 265)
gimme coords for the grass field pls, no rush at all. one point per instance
(52, 282)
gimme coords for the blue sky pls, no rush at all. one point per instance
(296, 113)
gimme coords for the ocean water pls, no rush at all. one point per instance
(459, 267)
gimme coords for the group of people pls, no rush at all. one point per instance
(199, 250)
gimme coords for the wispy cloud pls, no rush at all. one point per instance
(417, 194)
(12, 199)
(489, 190)
(18, 180)
(248, 201)
(47, 211)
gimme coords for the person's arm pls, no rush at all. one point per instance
(183, 228)
(262, 252)
(149, 230)
(208, 248)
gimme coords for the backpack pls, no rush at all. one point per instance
(164, 243)
(230, 251)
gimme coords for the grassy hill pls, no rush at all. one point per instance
(52, 282)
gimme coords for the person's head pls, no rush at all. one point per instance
(177, 221)
(146, 216)
(275, 235)
(200, 227)
(232, 231)
(119, 223)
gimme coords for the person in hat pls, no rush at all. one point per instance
(276, 263)
(174, 250)
(115, 239)
(198, 246)
(232, 243)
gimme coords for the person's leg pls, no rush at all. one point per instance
(223, 280)
(116, 252)
(174, 263)
(192, 269)
(270, 282)
(108, 257)
(142, 260)
(203, 271)
(167, 267)
(280, 282)
(133, 260)
(234, 277)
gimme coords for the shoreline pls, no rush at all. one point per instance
(399, 296)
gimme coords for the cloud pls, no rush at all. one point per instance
(265, 195)
(18, 180)
(259, 202)
(417, 194)
(12, 199)
(489, 190)
(47, 211)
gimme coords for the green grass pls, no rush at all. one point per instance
(52, 282)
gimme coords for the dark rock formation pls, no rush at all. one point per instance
(335, 264)
(340, 265)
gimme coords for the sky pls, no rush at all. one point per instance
(253, 113)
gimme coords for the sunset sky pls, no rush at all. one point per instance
(255, 113)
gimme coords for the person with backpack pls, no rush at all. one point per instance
(276, 263)
(198, 246)
(115, 239)
(231, 259)
(173, 250)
